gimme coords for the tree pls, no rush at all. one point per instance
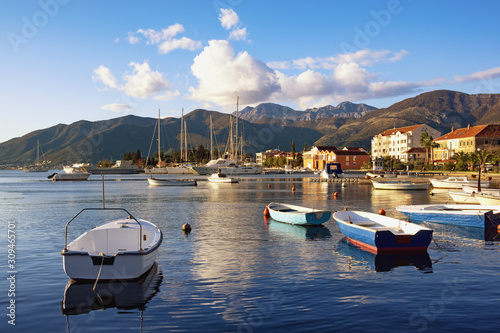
(461, 158)
(427, 141)
(482, 157)
(293, 149)
(305, 146)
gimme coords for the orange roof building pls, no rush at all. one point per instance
(349, 158)
(467, 140)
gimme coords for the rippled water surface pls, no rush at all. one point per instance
(236, 271)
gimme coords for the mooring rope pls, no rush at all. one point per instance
(100, 268)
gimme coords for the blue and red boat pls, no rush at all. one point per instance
(382, 234)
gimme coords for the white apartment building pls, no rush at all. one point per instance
(397, 141)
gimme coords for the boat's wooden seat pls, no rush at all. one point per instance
(364, 223)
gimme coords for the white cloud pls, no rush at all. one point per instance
(478, 76)
(165, 39)
(103, 74)
(238, 34)
(116, 107)
(142, 82)
(222, 75)
(228, 18)
(279, 64)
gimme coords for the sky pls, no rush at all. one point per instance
(62, 61)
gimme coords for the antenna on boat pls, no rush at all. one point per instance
(103, 199)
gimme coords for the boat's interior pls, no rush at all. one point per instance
(111, 241)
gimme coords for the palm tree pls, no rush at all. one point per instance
(461, 158)
(482, 157)
(427, 141)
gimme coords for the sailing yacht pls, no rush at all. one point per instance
(157, 169)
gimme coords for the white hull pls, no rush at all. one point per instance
(463, 198)
(473, 189)
(221, 178)
(171, 182)
(81, 176)
(179, 171)
(457, 182)
(240, 171)
(399, 185)
(488, 200)
(119, 249)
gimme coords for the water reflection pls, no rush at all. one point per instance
(80, 298)
(384, 262)
(298, 231)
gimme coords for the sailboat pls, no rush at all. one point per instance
(182, 169)
(157, 169)
(37, 167)
(164, 181)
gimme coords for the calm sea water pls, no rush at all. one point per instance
(237, 272)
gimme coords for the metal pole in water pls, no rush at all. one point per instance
(103, 200)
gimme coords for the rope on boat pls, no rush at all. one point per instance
(100, 268)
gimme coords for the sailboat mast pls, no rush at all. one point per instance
(185, 142)
(211, 139)
(182, 125)
(37, 152)
(159, 142)
(236, 134)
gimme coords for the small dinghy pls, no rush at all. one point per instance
(382, 234)
(120, 249)
(171, 182)
(297, 215)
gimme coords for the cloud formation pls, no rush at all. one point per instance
(230, 21)
(165, 39)
(488, 74)
(141, 82)
(116, 107)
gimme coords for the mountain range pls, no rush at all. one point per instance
(266, 126)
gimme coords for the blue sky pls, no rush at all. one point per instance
(68, 60)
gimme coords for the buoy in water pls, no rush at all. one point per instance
(381, 212)
(335, 195)
(268, 185)
(293, 188)
(186, 227)
(266, 212)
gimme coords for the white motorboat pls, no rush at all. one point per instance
(171, 182)
(457, 182)
(332, 170)
(398, 185)
(221, 178)
(180, 170)
(237, 170)
(74, 172)
(120, 249)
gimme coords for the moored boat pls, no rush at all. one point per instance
(398, 185)
(382, 234)
(332, 170)
(120, 249)
(458, 214)
(457, 182)
(488, 200)
(461, 197)
(297, 214)
(221, 178)
(171, 182)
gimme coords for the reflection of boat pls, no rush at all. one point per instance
(120, 249)
(387, 261)
(80, 298)
(398, 185)
(456, 182)
(382, 234)
(297, 215)
(332, 170)
(221, 178)
(171, 182)
(458, 214)
(299, 231)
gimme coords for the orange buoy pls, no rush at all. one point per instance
(381, 212)
(266, 212)
(186, 227)
(336, 194)
(268, 185)
(293, 188)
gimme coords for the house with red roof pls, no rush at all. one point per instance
(349, 157)
(467, 140)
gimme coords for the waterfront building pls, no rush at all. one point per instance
(398, 143)
(467, 140)
(349, 157)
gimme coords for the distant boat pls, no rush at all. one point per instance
(457, 182)
(473, 189)
(71, 173)
(458, 214)
(121, 167)
(171, 182)
(332, 170)
(297, 215)
(120, 249)
(180, 170)
(37, 167)
(488, 200)
(222, 178)
(371, 175)
(398, 185)
(382, 234)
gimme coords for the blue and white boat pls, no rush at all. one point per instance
(332, 170)
(297, 215)
(382, 234)
(478, 216)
